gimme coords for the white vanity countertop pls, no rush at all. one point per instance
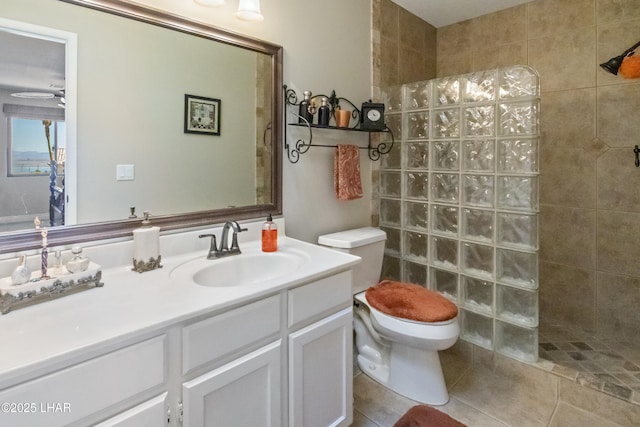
(131, 304)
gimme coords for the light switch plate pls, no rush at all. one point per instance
(124, 172)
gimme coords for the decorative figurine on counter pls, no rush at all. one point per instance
(79, 262)
(45, 251)
(57, 266)
(22, 290)
(45, 255)
(22, 273)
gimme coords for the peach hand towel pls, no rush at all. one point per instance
(346, 173)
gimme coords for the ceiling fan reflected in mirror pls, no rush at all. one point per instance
(42, 96)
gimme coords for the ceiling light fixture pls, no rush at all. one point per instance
(248, 10)
(42, 96)
(33, 95)
(210, 3)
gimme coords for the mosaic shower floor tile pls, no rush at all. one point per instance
(612, 366)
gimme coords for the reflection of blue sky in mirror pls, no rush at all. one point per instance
(62, 135)
(30, 152)
(28, 135)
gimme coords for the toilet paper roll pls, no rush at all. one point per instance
(146, 243)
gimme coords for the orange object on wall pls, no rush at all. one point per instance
(630, 67)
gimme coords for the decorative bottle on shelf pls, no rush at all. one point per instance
(79, 262)
(306, 116)
(324, 113)
(22, 273)
(269, 235)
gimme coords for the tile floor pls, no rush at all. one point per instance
(491, 390)
(613, 364)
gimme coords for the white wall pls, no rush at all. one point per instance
(140, 77)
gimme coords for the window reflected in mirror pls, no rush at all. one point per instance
(35, 166)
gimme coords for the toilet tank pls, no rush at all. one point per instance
(365, 242)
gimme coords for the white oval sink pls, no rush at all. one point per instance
(239, 270)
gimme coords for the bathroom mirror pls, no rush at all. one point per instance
(133, 148)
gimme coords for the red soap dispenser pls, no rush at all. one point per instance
(269, 235)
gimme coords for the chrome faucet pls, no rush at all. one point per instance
(224, 249)
(224, 244)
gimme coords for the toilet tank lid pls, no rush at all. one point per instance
(352, 238)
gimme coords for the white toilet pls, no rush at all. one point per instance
(398, 353)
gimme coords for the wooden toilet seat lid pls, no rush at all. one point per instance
(409, 301)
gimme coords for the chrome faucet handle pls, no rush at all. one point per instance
(234, 242)
(213, 250)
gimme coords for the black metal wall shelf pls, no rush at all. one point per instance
(301, 146)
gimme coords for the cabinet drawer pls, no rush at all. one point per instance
(76, 392)
(310, 301)
(221, 335)
(148, 414)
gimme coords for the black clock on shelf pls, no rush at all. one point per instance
(372, 116)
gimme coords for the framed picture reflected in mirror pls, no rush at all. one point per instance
(201, 115)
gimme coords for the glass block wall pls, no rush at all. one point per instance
(459, 200)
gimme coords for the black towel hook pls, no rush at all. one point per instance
(636, 150)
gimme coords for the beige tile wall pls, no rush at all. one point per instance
(264, 191)
(590, 188)
(403, 50)
(404, 46)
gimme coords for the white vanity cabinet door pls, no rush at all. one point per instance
(152, 413)
(245, 392)
(321, 373)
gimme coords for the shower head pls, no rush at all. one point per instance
(613, 65)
